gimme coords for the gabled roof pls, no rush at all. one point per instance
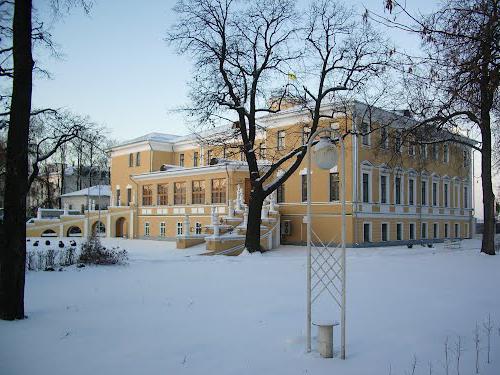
(105, 190)
(153, 137)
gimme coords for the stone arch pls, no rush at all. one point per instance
(121, 227)
(99, 228)
(74, 231)
(49, 233)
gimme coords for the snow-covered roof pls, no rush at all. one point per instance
(154, 137)
(91, 191)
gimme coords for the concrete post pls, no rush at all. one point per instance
(66, 209)
(325, 340)
(39, 213)
(230, 209)
(61, 230)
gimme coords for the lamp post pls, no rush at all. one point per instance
(326, 158)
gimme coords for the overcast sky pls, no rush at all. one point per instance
(117, 68)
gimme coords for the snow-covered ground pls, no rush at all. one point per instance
(173, 312)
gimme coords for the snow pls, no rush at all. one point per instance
(173, 312)
(91, 191)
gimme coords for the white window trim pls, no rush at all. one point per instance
(426, 181)
(387, 188)
(370, 231)
(426, 230)
(401, 175)
(402, 231)
(197, 227)
(434, 236)
(435, 181)
(147, 229)
(369, 138)
(163, 229)
(455, 233)
(180, 229)
(388, 232)
(414, 192)
(445, 226)
(414, 231)
(370, 188)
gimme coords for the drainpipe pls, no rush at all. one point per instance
(151, 157)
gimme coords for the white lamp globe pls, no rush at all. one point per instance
(325, 153)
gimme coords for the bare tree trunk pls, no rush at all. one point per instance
(13, 251)
(488, 243)
(252, 239)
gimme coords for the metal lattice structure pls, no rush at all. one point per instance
(326, 263)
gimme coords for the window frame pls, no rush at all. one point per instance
(162, 197)
(179, 192)
(334, 192)
(198, 193)
(219, 194)
(280, 140)
(147, 199)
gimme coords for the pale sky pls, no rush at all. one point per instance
(117, 68)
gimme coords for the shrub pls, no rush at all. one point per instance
(93, 252)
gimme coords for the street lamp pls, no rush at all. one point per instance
(326, 157)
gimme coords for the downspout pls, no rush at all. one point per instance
(151, 157)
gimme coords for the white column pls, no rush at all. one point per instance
(186, 226)
(108, 225)
(131, 225)
(61, 230)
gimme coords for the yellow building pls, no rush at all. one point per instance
(396, 192)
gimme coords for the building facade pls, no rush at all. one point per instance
(396, 191)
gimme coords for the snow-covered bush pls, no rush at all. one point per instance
(37, 260)
(93, 252)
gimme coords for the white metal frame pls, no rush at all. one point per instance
(329, 267)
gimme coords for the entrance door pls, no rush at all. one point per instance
(248, 189)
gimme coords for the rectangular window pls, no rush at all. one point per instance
(366, 232)
(457, 231)
(181, 160)
(304, 188)
(147, 231)
(411, 149)
(446, 157)
(281, 139)
(424, 193)
(365, 134)
(434, 193)
(130, 160)
(219, 190)
(412, 231)
(399, 231)
(384, 138)
(397, 192)
(209, 157)
(179, 193)
(466, 197)
(366, 188)
(398, 143)
(179, 228)
(411, 191)
(435, 228)
(423, 151)
(334, 187)
(446, 234)
(147, 195)
(306, 132)
(423, 232)
(383, 189)
(195, 159)
(162, 194)
(163, 229)
(198, 192)
(137, 159)
(129, 196)
(280, 193)
(384, 232)
(434, 151)
(197, 228)
(118, 198)
(445, 187)
(262, 151)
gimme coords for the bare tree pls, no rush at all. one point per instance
(243, 57)
(24, 32)
(455, 82)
